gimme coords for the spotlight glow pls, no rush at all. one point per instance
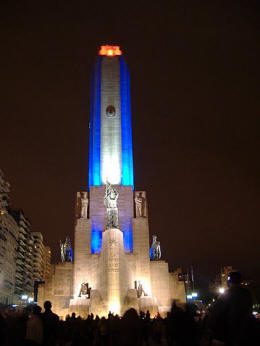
(221, 290)
(111, 168)
(114, 307)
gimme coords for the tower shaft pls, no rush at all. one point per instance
(110, 150)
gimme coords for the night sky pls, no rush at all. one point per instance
(194, 69)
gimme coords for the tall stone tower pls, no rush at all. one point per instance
(110, 144)
(112, 269)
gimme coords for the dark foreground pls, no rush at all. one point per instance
(183, 326)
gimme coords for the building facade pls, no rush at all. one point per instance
(46, 262)
(112, 269)
(8, 245)
(23, 257)
(24, 281)
(38, 256)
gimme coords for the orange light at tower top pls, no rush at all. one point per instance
(110, 50)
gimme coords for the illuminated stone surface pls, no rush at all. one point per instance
(110, 155)
(115, 263)
(113, 273)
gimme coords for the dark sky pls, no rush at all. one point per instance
(195, 109)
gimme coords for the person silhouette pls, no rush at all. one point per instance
(130, 329)
(231, 315)
(50, 325)
(34, 330)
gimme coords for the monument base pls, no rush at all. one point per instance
(112, 271)
(148, 304)
(80, 306)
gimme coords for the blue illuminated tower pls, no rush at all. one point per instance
(114, 261)
(110, 146)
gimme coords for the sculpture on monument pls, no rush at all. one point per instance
(139, 289)
(84, 205)
(84, 290)
(155, 250)
(110, 201)
(139, 204)
(66, 250)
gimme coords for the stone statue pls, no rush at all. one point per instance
(84, 205)
(62, 251)
(155, 250)
(140, 290)
(139, 204)
(110, 201)
(78, 205)
(84, 290)
(66, 250)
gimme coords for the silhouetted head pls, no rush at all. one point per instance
(235, 279)
(47, 305)
(131, 315)
(36, 310)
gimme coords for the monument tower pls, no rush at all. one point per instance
(114, 268)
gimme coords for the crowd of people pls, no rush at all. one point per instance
(229, 322)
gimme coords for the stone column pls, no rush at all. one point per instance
(82, 254)
(113, 272)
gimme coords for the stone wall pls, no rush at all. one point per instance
(160, 284)
(58, 289)
(177, 288)
(82, 254)
(141, 252)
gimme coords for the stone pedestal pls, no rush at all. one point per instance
(131, 300)
(160, 284)
(177, 288)
(148, 304)
(82, 254)
(114, 278)
(80, 306)
(141, 252)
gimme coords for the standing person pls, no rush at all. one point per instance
(50, 325)
(103, 331)
(182, 329)
(130, 329)
(34, 330)
(231, 320)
